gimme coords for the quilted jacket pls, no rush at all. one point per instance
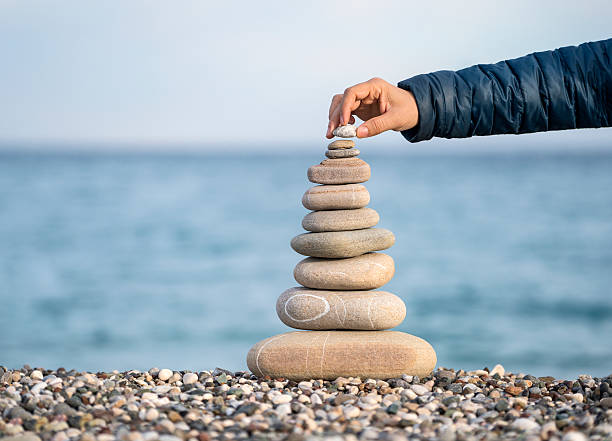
(567, 88)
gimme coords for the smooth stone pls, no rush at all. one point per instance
(341, 144)
(336, 197)
(338, 154)
(369, 271)
(340, 244)
(347, 131)
(165, 374)
(340, 220)
(305, 355)
(190, 378)
(340, 171)
(304, 308)
(27, 436)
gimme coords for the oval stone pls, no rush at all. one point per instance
(339, 171)
(304, 308)
(305, 355)
(340, 144)
(336, 197)
(340, 220)
(345, 131)
(337, 154)
(369, 271)
(340, 244)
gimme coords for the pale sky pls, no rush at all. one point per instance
(250, 73)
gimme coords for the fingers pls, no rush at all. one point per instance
(352, 99)
(379, 124)
(336, 99)
(334, 115)
(371, 93)
(383, 102)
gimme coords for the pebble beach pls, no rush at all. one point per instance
(161, 404)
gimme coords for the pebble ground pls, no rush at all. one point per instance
(59, 405)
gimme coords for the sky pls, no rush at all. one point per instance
(161, 74)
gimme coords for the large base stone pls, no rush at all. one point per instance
(304, 355)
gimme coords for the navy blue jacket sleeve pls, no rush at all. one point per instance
(566, 88)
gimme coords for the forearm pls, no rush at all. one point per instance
(567, 88)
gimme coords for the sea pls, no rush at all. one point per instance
(113, 260)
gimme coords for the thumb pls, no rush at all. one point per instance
(376, 125)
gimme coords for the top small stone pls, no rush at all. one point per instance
(340, 144)
(347, 131)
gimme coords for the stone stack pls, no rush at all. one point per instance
(344, 317)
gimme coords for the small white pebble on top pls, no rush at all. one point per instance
(347, 131)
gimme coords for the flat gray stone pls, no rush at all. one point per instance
(337, 154)
(368, 271)
(336, 197)
(339, 171)
(341, 244)
(340, 220)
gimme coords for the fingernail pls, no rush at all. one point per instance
(362, 131)
(341, 120)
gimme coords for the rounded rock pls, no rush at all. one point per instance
(339, 171)
(340, 144)
(152, 414)
(336, 197)
(190, 378)
(342, 244)
(303, 308)
(340, 220)
(339, 154)
(36, 375)
(304, 355)
(369, 271)
(165, 374)
(345, 131)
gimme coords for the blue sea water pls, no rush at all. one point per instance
(129, 261)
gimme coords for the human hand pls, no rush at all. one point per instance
(379, 104)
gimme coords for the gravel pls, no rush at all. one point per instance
(164, 405)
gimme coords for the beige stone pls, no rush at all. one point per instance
(304, 308)
(340, 220)
(369, 271)
(336, 197)
(339, 171)
(304, 355)
(340, 244)
(340, 144)
(345, 153)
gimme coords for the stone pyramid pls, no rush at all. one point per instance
(344, 318)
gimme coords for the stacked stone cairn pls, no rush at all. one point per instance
(344, 317)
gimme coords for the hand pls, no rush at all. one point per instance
(379, 104)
